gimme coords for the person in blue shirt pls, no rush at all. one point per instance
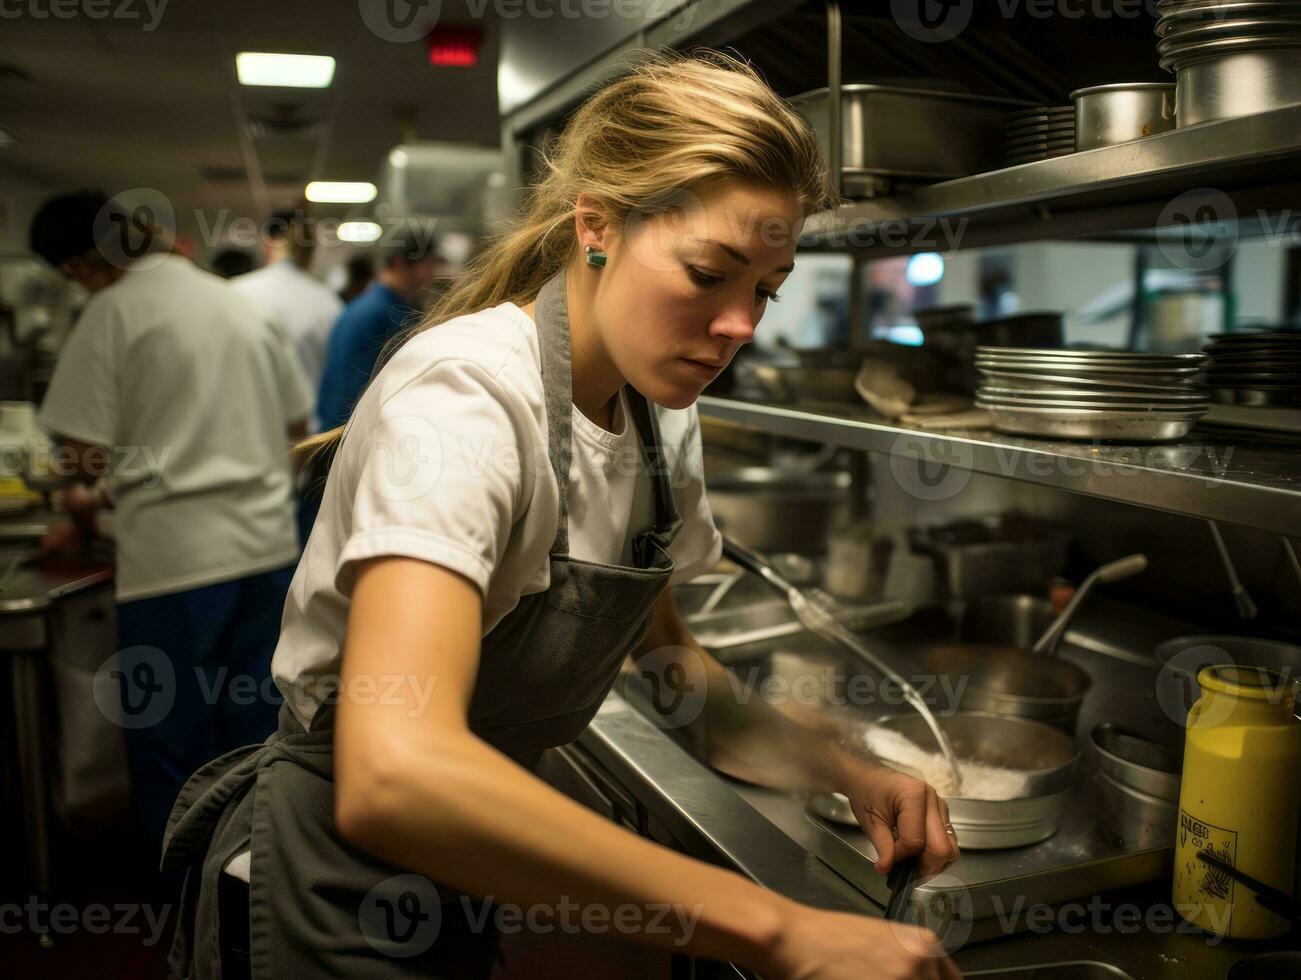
(412, 265)
(371, 320)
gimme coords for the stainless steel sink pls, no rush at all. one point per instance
(1078, 970)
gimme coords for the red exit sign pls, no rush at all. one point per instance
(456, 47)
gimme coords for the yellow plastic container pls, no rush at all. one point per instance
(1240, 799)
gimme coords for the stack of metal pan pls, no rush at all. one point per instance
(1070, 394)
(1038, 133)
(1230, 57)
(1256, 368)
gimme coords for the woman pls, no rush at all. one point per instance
(484, 559)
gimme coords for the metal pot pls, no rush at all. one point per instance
(1047, 757)
(994, 555)
(1109, 114)
(778, 511)
(1237, 84)
(1005, 681)
(1137, 782)
(1183, 657)
(1009, 620)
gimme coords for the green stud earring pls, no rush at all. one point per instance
(595, 257)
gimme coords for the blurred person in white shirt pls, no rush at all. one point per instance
(303, 308)
(175, 402)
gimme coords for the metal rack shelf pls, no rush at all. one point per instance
(1240, 482)
(1251, 160)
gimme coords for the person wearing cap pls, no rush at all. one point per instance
(303, 307)
(175, 402)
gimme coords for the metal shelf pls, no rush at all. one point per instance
(1251, 160)
(1240, 482)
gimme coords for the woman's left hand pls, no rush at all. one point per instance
(902, 816)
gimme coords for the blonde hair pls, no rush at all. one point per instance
(675, 122)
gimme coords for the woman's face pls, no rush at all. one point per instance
(683, 290)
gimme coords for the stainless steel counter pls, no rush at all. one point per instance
(1100, 902)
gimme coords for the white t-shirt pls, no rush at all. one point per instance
(193, 391)
(445, 459)
(303, 308)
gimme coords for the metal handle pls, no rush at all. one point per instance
(1241, 598)
(1113, 571)
(834, 117)
(900, 882)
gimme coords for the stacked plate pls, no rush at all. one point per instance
(1256, 368)
(1077, 394)
(1195, 29)
(1038, 133)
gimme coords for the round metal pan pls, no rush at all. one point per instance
(1118, 408)
(997, 392)
(1089, 424)
(1047, 756)
(1278, 397)
(1090, 355)
(1047, 111)
(1276, 378)
(1137, 783)
(1033, 381)
(1039, 131)
(1129, 373)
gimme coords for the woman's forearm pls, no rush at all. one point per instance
(464, 815)
(738, 731)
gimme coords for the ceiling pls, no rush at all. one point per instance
(108, 103)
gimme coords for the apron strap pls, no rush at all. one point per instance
(667, 518)
(558, 391)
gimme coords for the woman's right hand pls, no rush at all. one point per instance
(818, 945)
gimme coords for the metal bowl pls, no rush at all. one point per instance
(1136, 783)
(1048, 757)
(1006, 681)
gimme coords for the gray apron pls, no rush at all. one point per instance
(319, 906)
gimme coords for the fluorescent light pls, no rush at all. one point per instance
(285, 70)
(359, 232)
(341, 192)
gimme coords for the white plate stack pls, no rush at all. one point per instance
(1079, 394)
